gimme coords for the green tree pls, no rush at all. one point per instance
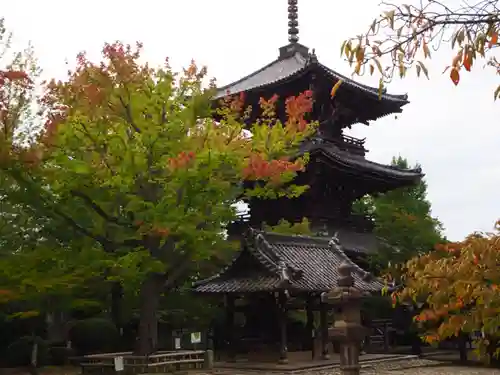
(37, 271)
(285, 227)
(403, 221)
(133, 166)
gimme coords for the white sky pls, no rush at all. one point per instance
(450, 130)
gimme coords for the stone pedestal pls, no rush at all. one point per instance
(347, 329)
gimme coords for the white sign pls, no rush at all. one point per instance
(177, 343)
(195, 337)
(119, 364)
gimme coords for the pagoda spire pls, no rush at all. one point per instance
(293, 23)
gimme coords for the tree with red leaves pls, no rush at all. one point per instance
(132, 163)
(41, 267)
(459, 283)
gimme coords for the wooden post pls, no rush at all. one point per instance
(386, 337)
(324, 330)
(282, 322)
(230, 327)
(310, 325)
(462, 346)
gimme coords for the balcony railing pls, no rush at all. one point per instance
(358, 223)
(349, 144)
(353, 141)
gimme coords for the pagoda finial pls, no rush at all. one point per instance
(293, 23)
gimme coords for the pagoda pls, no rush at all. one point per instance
(280, 273)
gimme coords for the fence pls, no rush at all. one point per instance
(163, 362)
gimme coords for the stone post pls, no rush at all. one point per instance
(208, 360)
(347, 329)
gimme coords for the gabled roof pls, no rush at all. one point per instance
(293, 63)
(295, 263)
(350, 161)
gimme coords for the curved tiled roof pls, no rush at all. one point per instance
(360, 163)
(273, 72)
(298, 263)
(293, 65)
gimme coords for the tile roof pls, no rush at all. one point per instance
(294, 64)
(351, 161)
(273, 72)
(297, 263)
(355, 242)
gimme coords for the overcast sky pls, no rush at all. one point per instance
(451, 131)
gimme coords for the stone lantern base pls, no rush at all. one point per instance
(347, 329)
(346, 334)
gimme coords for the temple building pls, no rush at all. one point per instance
(274, 276)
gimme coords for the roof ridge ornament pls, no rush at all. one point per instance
(293, 22)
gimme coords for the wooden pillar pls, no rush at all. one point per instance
(324, 330)
(282, 323)
(310, 325)
(231, 352)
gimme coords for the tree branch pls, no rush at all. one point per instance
(90, 203)
(128, 114)
(177, 271)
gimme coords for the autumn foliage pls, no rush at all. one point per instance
(132, 163)
(459, 285)
(404, 35)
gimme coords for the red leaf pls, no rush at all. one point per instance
(467, 62)
(455, 76)
(494, 38)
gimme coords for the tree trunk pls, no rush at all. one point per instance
(56, 326)
(148, 321)
(462, 346)
(117, 305)
(33, 366)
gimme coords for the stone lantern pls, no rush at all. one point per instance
(347, 329)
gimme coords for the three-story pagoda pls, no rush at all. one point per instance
(282, 270)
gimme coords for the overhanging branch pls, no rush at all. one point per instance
(99, 210)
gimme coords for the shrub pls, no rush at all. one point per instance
(94, 335)
(59, 355)
(19, 351)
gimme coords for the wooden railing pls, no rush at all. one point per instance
(162, 362)
(353, 141)
(380, 331)
(350, 144)
(356, 222)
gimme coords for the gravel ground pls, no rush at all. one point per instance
(406, 367)
(448, 370)
(422, 367)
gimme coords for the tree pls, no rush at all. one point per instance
(285, 227)
(37, 273)
(132, 164)
(404, 221)
(459, 282)
(18, 71)
(404, 35)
